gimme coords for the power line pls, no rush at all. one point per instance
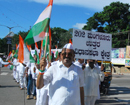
(16, 13)
(9, 27)
(12, 21)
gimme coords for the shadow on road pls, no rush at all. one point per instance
(9, 86)
(115, 96)
(112, 102)
(118, 90)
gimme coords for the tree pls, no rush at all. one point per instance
(3, 46)
(96, 22)
(114, 18)
(58, 35)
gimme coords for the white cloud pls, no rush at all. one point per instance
(79, 25)
(87, 13)
(93, 4)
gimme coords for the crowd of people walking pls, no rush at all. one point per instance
(67, 81)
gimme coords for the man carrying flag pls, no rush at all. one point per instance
(2, 63)
(40, 29)
(66, 80)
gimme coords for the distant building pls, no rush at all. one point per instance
(10, 34)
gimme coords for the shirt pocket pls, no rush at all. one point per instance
(74, 79)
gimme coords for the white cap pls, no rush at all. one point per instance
(68, 46)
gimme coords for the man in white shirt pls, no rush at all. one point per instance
(21, 71)
(66, 80)
(22, 76)
(92, 77)
(2, 63)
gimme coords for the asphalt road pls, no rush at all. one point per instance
(119, 92)
(10, 93)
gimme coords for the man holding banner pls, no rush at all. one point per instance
(92, 77)
(95, 46)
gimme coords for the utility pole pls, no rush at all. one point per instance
(8, 36)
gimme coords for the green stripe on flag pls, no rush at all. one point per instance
(11, 67)
(31, 59)
(36, 30)
(38, 62)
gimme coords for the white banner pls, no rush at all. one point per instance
(92, 45)
(118, 61)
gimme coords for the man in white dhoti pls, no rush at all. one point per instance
(66, 80)
(92, 77)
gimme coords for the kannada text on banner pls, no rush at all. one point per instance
(92, 45)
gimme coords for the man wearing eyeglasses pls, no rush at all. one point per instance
(66, 80)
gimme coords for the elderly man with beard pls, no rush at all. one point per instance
(92, 77)
(66, 80)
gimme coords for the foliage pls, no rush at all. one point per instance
(114, 18)
(59, 38)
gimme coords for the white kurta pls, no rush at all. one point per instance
(14, 68)
(92, 78)
(31, 69)
(65, 83)
(16, 64)
(21, 69)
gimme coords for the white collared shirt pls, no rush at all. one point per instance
(65, 83)
(92, 78)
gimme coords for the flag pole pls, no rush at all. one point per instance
(45, 46)
(49, 44)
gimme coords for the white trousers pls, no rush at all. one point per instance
(22, 81)
(90, 100)
(17, 75)
(42, 97)
(14, 74)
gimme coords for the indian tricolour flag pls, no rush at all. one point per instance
(56, 53)
(29, 47)
(37, 52)
(30, 56)
(9, 56)
(23, 53)
(16, 52)
(41, 26)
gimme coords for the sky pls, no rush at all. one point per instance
(20, 15)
